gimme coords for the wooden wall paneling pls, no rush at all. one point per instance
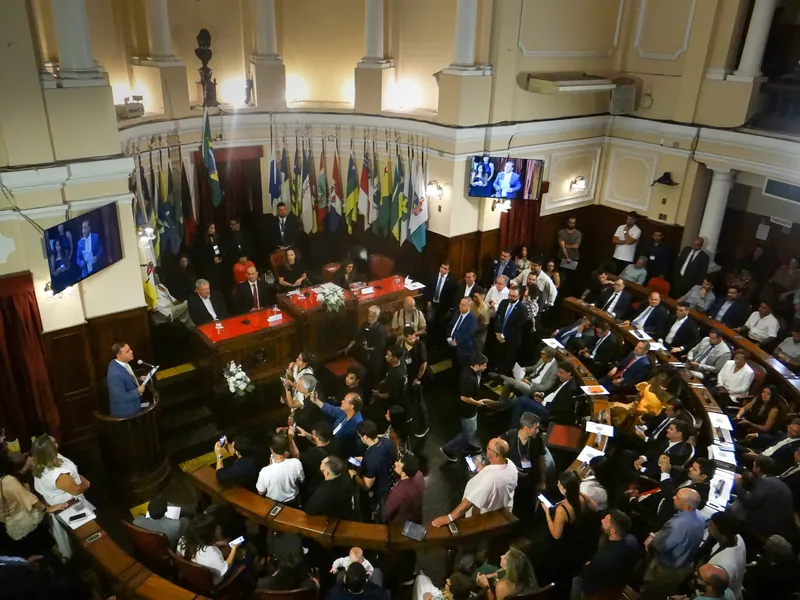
(738, 238)
(488, 249)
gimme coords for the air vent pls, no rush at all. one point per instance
(782, 190)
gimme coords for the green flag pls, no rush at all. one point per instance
(209, 161)
(398, 199)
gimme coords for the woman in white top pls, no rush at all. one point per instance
(734, 379)
(199, 546)
(57, 481)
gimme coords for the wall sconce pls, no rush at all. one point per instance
(49, 296)
(434, 189)
(505, 205)
(578, 184)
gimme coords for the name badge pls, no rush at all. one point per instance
(337, 428)
(652, 257)
(408, 360)
(216, 250)
(526, 464)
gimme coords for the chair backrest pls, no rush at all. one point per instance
(380, 266)
(329, 270)
(152, 545)
(301, 594)
(657, 284)
(760, 373)
(358, 254)
(276, 259)
(198, 578)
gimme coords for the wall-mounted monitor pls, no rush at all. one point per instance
(505, 177)
(84, 245)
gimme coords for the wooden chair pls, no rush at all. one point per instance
(276, 260)
(329, 270)
(201, 579)
(380, 266)
(151, 546)
(760, 373)
(301, 594)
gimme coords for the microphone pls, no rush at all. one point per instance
(141, 362)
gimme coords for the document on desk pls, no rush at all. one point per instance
(641, 335)
(594, 390)
(413, 285)
(588, 453)
(657, 347)
(600, 428)
(720, 420)
(721, 455)
(67, 516)
(553, 343)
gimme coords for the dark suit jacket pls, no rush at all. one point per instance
(607, 352)
(97, 252)
(562, 408)
(198, 312)
(769, 506)
(637, 372)
(623, 303)
(291, 231)
(695, 271)
(793, 483)
(509, 271)
(678, 455)
(784, 456)
(244, 296)
(464, 336)
(659, 259)
(123, 396)
(687, 335)
(461, 288)
(736, 314)
(239, 244)
(512, 329)
(656, 320)
(448, 290)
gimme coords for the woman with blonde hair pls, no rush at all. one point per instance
(515, 577)
(480, 310)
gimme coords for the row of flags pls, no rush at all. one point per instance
(389, 192)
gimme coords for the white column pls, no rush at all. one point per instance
(756, 40)
(74, 44)
(714, 212)
(266, 33)
(466, 29)
(373, 32)
(158, 32)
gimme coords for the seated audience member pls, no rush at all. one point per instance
(577, 336)
(515, 577)
(404, 502)
(292, 573)
(392, 389)
(467, 287)
(292, 273)
(613, 563)
(760, 415)
(708, 357)
(651, 318)
(356, 586)
(305, 411)
(700, 297)
(783, 284)
(655, 428)
(774, 574)
(615, 301)
(733, 380)
(653, 396)
(241, 467)
(252, 293)
(681, 331)
(469, 390)
(311, 458)
(347, 275)
(199, 546)
(181, 278)
(461, 332)
(658, 507)
(595, 486)
(725, 548)
(630, 370)
(603, 352)
(540, 377)
(557, 406)
(496, 294)
(345, 421)
(370, 343)
(502, 266)
(731, 310)
(280, 481)
(527, 452)
(660, 458)
(710, 582)
(40, 577)
(598, 286)
(636, 272)
(492, 488)
(788, 351)
(156, 520)
(206, 305)
(408, 316)
(791, 477)
(457, 587)
(240, 268)
(373, 476)
(169, 309)
(356, 555)
(334, 496)
(673, 549)
(761, 327)
(779, 448)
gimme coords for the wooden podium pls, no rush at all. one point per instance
(133, 450)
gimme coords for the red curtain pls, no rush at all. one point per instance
(239, 172)
(518, 226)
(28, 407)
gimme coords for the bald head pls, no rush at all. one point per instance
(715, 578)
(499, 451)
(687, 499)
(409, 303)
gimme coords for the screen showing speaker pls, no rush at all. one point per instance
(505, 177)
(84, 245)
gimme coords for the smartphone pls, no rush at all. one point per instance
(471, 464)
(222, 440)
(545, 501)
(77, 517)
(294, 427)
(453, 528)
(237, 542)
(354, 461)
(275, 510)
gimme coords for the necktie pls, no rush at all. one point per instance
(458, 324)
(704, 354)
(689, 260)
(508, 312)
(722, 310)
(628, 366)
(538, 370)
(255, 295)
(130, 370)
(438, 288)
(611, 301)
(282, 223)
(597, 345)
(662, 427)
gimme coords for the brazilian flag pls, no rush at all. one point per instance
(209, 161)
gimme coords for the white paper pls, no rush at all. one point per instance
(553, 343)
(572, 265)
(318, 289)
(588, 453)
(414, 285)
(639, 334)
(720, 420)
(518, 372)
(721, 455)
(275, 317)
(80, 507)
(173, 512)
(293, 292)
(594, 390)
(367, 290)
(599, 428)
(150, 375)
(762, 232)
(657, 346)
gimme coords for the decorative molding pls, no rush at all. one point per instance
(55, 178)
(637, 40)
(609, 195)
(569, 53)
(550, 201)
(60, 209)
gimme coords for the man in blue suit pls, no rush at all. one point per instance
(632, 369)
(124, 388)
(90, 250)
(461, 332)
(504, 266)
(507, 184)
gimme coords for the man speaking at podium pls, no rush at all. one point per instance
(124, 388)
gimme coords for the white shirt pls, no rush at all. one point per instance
(87, 253)
(505, 183)
(552, 395)
(468, 290)
(760, 328)
(165, 301)
(280, 481)
(209, 557)
(496, 296)
(45, 484)
(592, 489)
(737, 383)
(492, 488)
(790, 347)
(733, 560)
(723, 309)
(674, 330)
(597, 344)
(775, 447)
(547, 287)
(627, 252)
(209, 306)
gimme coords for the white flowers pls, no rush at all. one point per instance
(238, 381)
(332, 299)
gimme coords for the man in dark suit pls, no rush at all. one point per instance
(632, 369)
(791, 477)
(252, 294)
(690, 268)
(681, 331)
(206, 305)
(461, 332)
(239, 242)
(659, 506)
(503, 266)
(603, 352)
(467, 287)
(124, 388)
(577, 336)
(557, 404)
(89, 254)
(616, 300)
(440, 298)
(651, 317)
(283, 229)
(732, 310)
(675, 453)
(659, 256)
(780, 448)
(509, 321)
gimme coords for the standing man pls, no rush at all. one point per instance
(206, 306)
(569, 242)
(393, 387)
(408, 316)
(90, 251)
(690, 268)
(511, 316)
(439, 295)
(496, 294)
(659, 256)
(526, 450)
(625, 239)
(415, 357)
(240, 241)
(461, 332)
(543, 282)
(469, 390)
(124, 388)
(467, 287)
(283, 229)
(252, 294)
(503, 266)
(507, 184)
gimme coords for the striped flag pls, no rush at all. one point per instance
(381, 224)
(274, 184)
(398, 191)
(335, 212)
(351, 202)
(296, 184)
(322, 192)
(364, 198)
(286, 180)
(210, 162)
(374, 192)
(418, 222)
(306, 201)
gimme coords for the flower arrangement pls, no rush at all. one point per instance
(238, 381)
(332, 299)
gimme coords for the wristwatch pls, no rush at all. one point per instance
(219, 456)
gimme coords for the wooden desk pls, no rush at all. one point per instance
(262, 347)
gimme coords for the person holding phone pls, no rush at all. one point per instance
(240, 466)
(199, 546)
(527, 452)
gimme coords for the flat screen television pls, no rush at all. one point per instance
(505, 177)
(84, 245)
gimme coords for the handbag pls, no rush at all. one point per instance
(23, 522)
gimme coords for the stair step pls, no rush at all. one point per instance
(188, 444)
(178, 397)
(175, 420)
